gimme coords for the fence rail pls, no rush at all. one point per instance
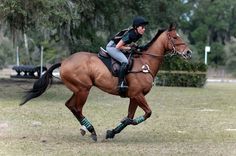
(181, 72)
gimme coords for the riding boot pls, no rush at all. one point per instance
(122, 84)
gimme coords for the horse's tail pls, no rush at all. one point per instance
(40, 85)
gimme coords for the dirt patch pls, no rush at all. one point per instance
(6, 72)
(6, 83)
(3, 127)
(11, 80)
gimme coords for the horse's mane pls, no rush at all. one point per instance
(160, 31)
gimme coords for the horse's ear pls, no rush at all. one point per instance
(172, 26)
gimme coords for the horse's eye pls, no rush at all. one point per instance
(175, 37)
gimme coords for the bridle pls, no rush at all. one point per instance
(172, 52)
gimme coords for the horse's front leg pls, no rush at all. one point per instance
(134, 102)
(142, 103)
(126, 121)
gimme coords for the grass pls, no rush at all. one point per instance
(185, 121)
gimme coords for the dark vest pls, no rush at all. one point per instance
(127, 35)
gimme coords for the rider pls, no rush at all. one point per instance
(116, 45)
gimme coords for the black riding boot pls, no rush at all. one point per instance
(122, 85)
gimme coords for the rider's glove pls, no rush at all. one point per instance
(141, 48)
(134, 48)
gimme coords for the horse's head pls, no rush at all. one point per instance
(176, 45)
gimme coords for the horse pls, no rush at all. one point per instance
(83, 70)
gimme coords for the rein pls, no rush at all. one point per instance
(146, 68)
(171, 53)
(150, 54)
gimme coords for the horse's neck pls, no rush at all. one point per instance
(158, 49)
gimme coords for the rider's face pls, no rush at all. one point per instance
(141, 30)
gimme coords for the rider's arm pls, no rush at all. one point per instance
(121, 45)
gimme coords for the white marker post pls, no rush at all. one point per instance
(41, 64)
(207, 50)
(17, 56)
(27, 47)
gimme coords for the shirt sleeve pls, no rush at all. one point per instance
(126, 39)
(130, 37)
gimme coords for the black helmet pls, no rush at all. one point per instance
(139, 21)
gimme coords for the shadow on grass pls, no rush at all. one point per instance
(123, 138)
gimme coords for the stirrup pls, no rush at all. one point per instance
(123, 85)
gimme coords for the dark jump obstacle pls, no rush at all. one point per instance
(28, 71)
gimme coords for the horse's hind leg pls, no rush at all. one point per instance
(75, 104)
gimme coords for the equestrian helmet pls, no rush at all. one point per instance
(139, 21)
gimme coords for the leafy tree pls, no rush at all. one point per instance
(67, 26)
(6, 52)
(217, 56)
(231, 56)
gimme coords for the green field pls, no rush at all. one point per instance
(185, 121)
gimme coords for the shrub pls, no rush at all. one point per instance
(179, 72)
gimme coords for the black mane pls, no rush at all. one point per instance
(160, 31)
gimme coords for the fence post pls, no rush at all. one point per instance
(27, 48)
(41, 64)
(17, 56)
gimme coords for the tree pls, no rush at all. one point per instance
(212, 23)
(85, 25)
(39, 18)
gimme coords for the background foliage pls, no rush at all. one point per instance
(179, 72)
(67, 26)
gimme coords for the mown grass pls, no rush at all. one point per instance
(185, 121)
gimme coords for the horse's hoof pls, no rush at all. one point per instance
(83, 130)
(94, 137)
(110, 134)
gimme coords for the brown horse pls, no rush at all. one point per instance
(83, 70)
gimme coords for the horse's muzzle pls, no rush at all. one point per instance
(187, 54)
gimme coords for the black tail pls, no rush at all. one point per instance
(40, 85)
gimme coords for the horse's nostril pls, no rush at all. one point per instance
(189, 52)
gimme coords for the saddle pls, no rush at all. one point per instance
(112, 64)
